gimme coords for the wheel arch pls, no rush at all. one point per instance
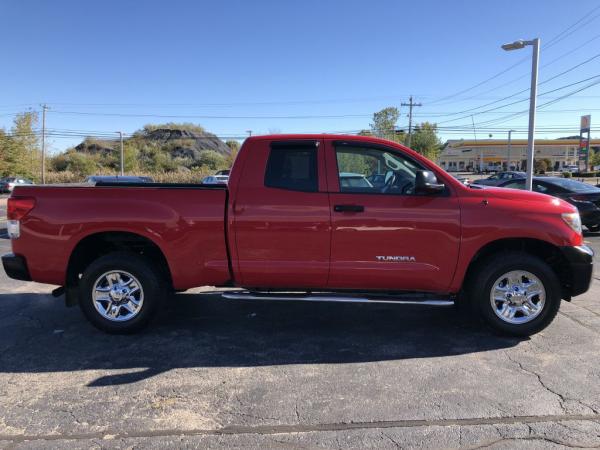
(98, 244)
(545, 250)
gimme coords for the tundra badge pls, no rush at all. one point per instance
(396, 258)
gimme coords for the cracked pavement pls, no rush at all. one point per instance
(215, 373)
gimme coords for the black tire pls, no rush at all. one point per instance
(481, 285)
(152, 283)
(593, 228)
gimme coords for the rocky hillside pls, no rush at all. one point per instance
(178, 140)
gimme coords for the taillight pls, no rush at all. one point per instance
(18, 207)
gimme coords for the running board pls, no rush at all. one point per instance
(332, 298)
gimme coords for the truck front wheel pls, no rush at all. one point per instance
(120, 292)
(515, 293)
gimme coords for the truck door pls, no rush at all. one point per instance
(384, 236)
(282, 219)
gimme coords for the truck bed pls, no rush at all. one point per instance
(185, 221)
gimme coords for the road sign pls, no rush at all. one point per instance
(585, 123)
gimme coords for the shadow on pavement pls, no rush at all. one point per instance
(38, 334)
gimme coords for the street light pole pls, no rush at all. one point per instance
(535, 43)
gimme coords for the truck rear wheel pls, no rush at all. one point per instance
(515, 293)
(121, 292)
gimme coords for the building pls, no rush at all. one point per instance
(473, 155)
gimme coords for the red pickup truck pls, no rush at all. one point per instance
(304, 217)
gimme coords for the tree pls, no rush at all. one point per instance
(3, 153)
(74, 161)
(594, 158)
(425, 140)
(384, 124)
(131, 157)
(19, 150)
(542, 165)
(212, 160)
(234, 148)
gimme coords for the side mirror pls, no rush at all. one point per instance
(427, 183)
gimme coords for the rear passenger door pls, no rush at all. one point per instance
(282, 216)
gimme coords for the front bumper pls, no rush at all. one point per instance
(581, 264)
(15, 267)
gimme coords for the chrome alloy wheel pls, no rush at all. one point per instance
(518, 297)
(118, 296)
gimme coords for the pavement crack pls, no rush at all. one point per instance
(546, 439)
(391, 439)
(300, 428)
(586, 326)
(562, 399)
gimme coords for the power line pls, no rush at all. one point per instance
(552, 42)
(570, 69)
(520, 101)
(510, 116)
(191, 116)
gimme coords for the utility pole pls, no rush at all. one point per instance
(410, 105)
(122, 153)
(249, 133)
(481, 150)
(509, 149)
(44, 108)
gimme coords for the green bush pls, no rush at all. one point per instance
(587, 174)
(567, 174)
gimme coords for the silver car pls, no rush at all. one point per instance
(215, 179)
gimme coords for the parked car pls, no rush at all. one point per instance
(569, 168)
(585, 197)
(355, 181)
(8, 184)
(461, 178)
(499, 178)
(223, 172)
(492, 168)
(215, 179)
(285, 228)
(94, 179)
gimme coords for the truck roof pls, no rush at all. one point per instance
(342, 137)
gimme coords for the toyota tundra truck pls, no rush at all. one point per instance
(304, 217)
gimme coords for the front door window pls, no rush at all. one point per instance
(375, 171)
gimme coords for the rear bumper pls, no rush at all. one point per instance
(581, 264)
(15, 267)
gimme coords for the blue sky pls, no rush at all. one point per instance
(116, 65)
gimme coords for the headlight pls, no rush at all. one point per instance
(573, 220)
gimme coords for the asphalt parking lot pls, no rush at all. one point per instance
(215, 373)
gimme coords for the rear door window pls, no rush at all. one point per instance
(292, 167)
